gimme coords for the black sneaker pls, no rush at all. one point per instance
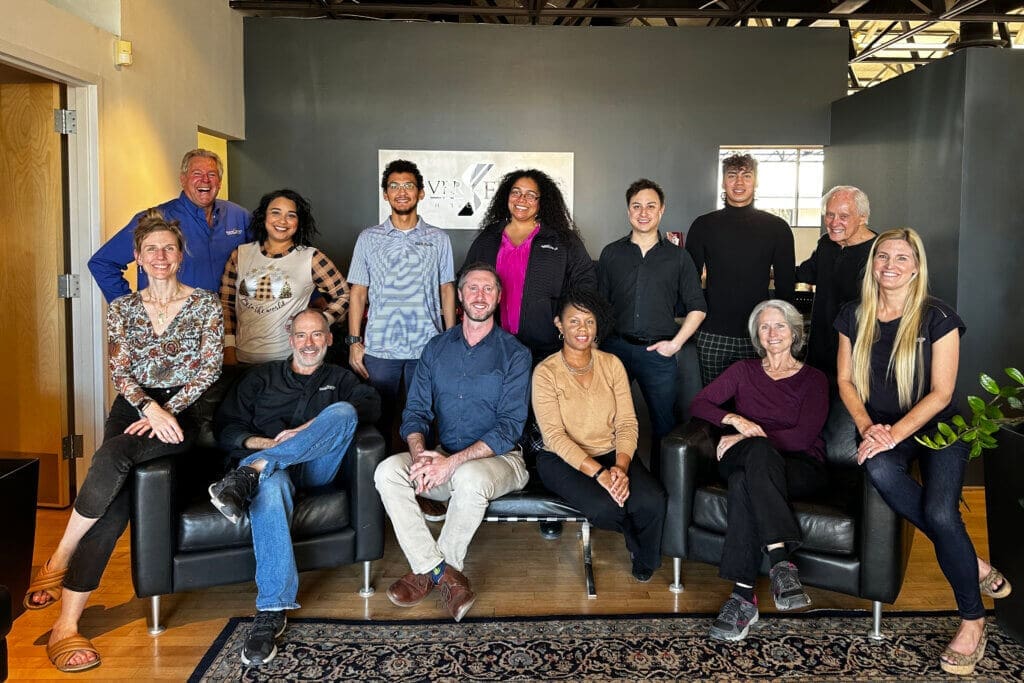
(259, 647)
(735, 619)
(787, 591)
(551, 530)
(231, 494)
(641, 573)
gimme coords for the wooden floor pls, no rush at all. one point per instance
(513, 570)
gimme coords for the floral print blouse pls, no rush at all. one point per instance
(188, 354)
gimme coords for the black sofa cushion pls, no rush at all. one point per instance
(825, 529)
(533, 501)
(317, 512)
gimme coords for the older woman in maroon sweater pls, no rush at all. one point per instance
(780, 406)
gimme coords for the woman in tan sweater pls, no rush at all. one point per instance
(582, 401)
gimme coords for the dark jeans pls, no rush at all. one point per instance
(761, 481)
(104, 496)
(656, 376)
(933, 506)
(640, 520)
(386, 377)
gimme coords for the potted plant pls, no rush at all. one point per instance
(990, 428)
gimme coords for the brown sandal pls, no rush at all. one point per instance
(47, 580)
(994, 577)
(63, 650)
(953, 662)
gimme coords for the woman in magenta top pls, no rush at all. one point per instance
(776, 452)
(531, 240)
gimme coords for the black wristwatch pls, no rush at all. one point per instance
(353, 339)
(597, 474)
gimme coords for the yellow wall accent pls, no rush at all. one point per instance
(220, 146)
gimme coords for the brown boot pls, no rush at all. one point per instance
(455, 592)
(410, 589)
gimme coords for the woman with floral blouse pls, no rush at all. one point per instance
(165, 347)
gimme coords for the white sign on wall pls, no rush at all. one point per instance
(459, 186)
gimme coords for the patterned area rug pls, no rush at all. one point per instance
(814, 646)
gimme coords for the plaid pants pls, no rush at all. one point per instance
(716, 352)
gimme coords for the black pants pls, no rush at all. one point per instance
(761, 481)
(641, 519)
(104, 496)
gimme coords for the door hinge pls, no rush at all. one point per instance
(65, 121)
(68, 286)
(71, 447)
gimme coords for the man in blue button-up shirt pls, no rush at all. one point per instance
(473, 379)
(212, 228)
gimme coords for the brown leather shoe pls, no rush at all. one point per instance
(455, 592)
(433, 510)
(410, 589)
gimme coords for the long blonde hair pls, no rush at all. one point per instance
(906, 358)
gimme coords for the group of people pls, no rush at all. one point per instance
(538, 370)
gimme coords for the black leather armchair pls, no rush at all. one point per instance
(180, 542)
(853, 542)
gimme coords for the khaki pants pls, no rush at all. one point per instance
(473, 485)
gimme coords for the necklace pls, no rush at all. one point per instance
(578, 371)
(161, 306)
(764, 364)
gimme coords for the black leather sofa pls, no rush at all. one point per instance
(180, 542)
(853, 542)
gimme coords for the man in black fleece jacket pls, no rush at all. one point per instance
(290, 422)
(741, 247)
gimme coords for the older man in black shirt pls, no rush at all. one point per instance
(648, 281)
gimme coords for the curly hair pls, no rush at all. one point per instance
(401, 166)
(553, 212)
(303, 237)
(590, 301)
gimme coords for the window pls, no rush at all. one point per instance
(789, 185)
(788, 182)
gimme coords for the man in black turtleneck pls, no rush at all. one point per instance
(740, 247)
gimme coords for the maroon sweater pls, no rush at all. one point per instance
(791, 411)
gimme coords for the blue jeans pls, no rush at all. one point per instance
(933, 506)
(310, 458)
(656, 376)
(386, 377)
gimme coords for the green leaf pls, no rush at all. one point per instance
(926, 440)
(988, 384)
(988, 427)
(1015, 403)
(993, 413)
(940, 441)
(1016, 375)
(959, 421)
(977, 405)
(970, 435)
(987, 441)
(947, 431)
(976, 449)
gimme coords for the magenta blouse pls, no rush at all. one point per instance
(511, 267)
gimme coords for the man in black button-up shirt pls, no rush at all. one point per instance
(649, 281)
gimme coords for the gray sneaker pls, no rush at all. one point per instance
(260, 646)
(735, 619)
(787, 591)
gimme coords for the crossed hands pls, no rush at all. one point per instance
(615, 481)
(158, 423)
(877, 438)
(430, 469)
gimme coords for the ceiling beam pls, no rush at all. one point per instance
(282, 7)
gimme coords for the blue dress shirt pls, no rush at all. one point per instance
(477, 393)
(206, 248)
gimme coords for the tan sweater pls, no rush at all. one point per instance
(577, 422)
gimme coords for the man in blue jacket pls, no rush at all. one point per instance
(212, 228)
(291, 423)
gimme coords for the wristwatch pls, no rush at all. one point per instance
(353, 339)
(145, 404)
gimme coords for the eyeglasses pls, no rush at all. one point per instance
(529, 196)
(408, 187)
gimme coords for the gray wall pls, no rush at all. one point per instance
(322, 97)
(940, 150)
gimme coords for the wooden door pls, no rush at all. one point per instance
(34, 391)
